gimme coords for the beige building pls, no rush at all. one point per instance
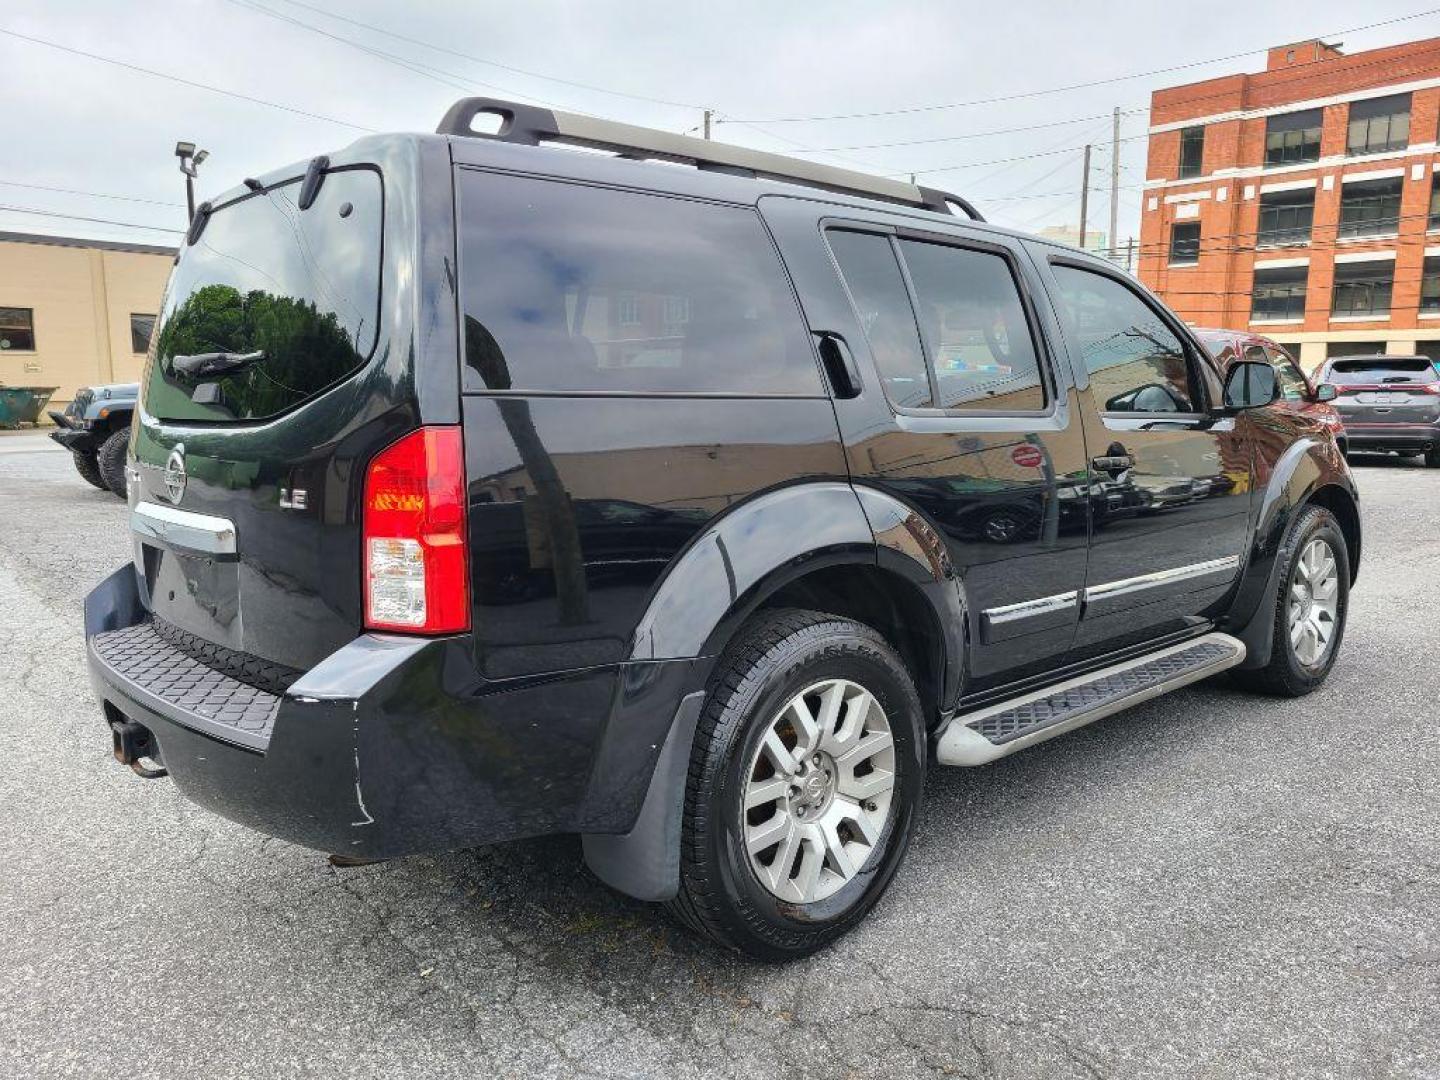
(76, 312)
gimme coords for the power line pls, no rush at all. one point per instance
(493, 63)
(90, 194)
(461, 83)
(957, 138)
(1069, 87)
(79, 217)
(184, 82)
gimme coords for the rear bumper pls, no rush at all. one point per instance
(1409, 437)
(389, 746)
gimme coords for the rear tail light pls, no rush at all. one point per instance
(417, 568)
(1431, 387)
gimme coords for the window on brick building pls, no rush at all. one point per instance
(1430, 285)
(1185, 243)
(1379, 125)
(1363, 288)
(1286, 217)
(1292, 138)
(1371, 207)
(1434, 222)
(1192, 152)
(1279, 293)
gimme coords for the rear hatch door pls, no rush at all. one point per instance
(268, 387)
(1383, 391)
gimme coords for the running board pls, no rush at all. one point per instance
(981, 737)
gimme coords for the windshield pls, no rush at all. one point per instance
(295, 293)
(1382, 370)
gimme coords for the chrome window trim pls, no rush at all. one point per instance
(1163, 577)
(183, 528)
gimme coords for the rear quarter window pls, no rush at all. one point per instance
(567, 287)
(302, 288)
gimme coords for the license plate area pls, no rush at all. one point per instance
(191, 571)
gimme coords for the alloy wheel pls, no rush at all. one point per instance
(1314, 603)
(818, 791)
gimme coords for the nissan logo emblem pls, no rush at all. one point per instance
(175, 476)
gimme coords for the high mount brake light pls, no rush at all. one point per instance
(416, 552)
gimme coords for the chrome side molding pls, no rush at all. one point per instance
(1007, 620)
(1210, 567)
(1045, 605)
(178, 528)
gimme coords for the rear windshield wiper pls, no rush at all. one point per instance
(200, 365)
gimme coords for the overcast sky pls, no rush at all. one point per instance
(76, 122)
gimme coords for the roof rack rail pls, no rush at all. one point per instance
(531, 125)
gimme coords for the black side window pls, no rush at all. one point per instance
(872, 272)
(974, 323)
(1136, 364)
(573, 288)
(964, 343)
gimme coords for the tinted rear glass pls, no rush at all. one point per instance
(300, 287)
(1344, 372)
(574, 288)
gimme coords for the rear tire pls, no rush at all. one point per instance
(111, 460)
(843, 808)
(88, 468)
(1314, 580)
(1432, 458)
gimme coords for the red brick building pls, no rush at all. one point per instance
(1301, 201)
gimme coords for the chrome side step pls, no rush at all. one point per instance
(982, 736)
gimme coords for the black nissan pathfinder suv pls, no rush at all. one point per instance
(484, 489)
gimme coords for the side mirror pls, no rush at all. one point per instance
(1250, 385)
(1326, 392)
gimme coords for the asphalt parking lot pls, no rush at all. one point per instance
(1210, 885)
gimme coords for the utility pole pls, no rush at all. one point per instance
(707, 123)
(1085, 195)
(1130, 255)
(1115, 181)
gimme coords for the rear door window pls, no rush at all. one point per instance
(299, 288)
(567, 287)
(975, 326)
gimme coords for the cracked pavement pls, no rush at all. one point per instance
(1208, 885)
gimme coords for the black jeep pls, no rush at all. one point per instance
(95, 428)
(482, 489)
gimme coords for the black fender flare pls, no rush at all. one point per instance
(1306, 468)
(741, 559)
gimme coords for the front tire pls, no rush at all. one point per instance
(88, 468)
(804, 786)
(111, 460)
(1310, 608)
(1432, 458)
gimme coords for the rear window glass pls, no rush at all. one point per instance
(300, 288)
(574, 288)
(1379, 371)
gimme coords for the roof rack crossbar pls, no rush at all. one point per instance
(532, 125)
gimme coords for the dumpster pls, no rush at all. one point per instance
(22, 404)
